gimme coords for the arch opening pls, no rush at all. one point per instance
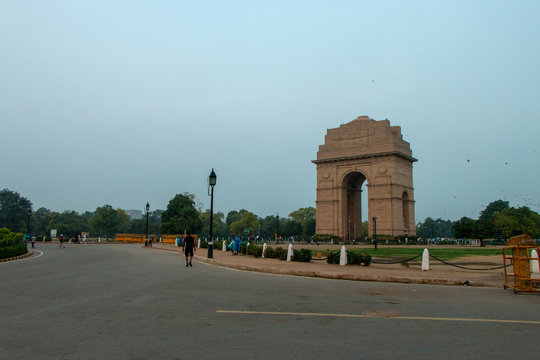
(354, 186)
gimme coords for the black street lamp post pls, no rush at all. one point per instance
(212, 178)
(277, 228)
(29, 215)
(147, 209)
(375, 231)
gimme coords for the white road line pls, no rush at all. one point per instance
(502, 321)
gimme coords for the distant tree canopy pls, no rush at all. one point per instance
(108, 221)
(247, 221)
(14, 211)
(305, 217)
(67, 223)
(180, 215)
(434, 228)
(498, 219)
(218, 224)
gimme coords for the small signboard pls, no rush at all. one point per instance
(53, 233)
(247, 231)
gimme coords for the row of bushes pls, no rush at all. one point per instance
(12, 251)
(11, 244)
(353, 257)
(302, 255)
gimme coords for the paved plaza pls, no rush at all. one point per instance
(131, 302)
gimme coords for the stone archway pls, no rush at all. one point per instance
(352, 204)
(365, 150)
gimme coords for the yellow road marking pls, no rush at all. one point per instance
(240, 312)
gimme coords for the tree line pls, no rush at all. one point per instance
(497, 221)
(182, 214)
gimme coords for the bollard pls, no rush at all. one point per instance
(425, 260)
(289, 252)
(264, 250)
(224, 246)
(535, 265)
(199, 244)
(343, 256)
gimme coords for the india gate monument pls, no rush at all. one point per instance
(365, 150)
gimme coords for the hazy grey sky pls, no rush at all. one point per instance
(124, 102)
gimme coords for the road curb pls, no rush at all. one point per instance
(318, 274)
(29, 253)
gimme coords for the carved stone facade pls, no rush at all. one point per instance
(372, 151)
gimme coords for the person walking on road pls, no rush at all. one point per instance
(33, 240)
(61, 242)
(188, 248)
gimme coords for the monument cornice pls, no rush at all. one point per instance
(366, 156)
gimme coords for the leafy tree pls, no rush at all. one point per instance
(68, 223)
(218, 227)
(306, 218)
(123, 221)
(523, 220)
(290, 227)
(485, 225)
(435, 228)
(365, 229)
(464, 227)
(247, 220)
(268, 226)
(14, 211)
(108, 221)
(138, 226)
(180, 215)
(233, 216)
(40, 221)
(493, 208)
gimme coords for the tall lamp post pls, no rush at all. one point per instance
(375, 231)
(29, 215)
(212, 178)
(147, 209)
(277, 228)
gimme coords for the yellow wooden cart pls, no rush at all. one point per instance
(517, 252)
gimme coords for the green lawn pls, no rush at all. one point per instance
(444, 254)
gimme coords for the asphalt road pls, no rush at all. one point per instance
(131, 302)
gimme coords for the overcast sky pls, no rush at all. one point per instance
(124, 102)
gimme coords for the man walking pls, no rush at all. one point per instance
(188, 248)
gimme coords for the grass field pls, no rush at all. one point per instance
(444, 254)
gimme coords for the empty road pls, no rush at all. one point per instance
(130, 302)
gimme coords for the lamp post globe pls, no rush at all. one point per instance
(212, 179)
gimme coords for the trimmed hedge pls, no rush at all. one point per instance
(11, 244)
(353, 257)
(302, 255)
(12, 251)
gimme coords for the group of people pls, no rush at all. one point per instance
(77, 240)
(235, 245)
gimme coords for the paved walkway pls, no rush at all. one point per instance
(439, 274)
